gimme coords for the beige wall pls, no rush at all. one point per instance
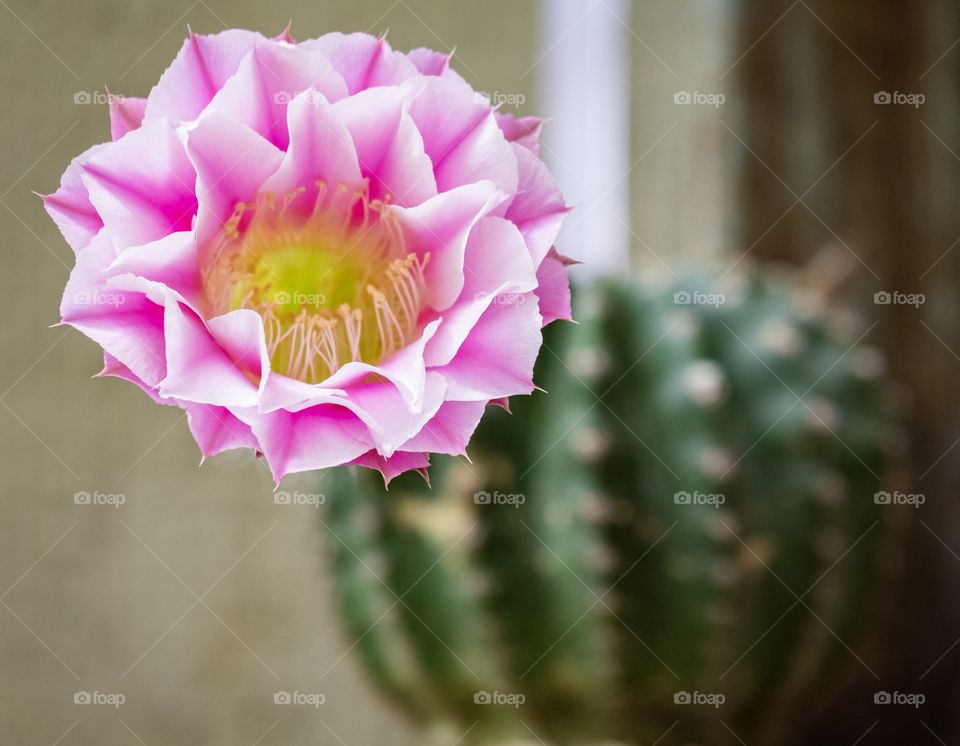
(112, 590)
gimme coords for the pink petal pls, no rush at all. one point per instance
(143, 185)
(198, 369)
(126, 325)
(388, 145)
(498, 270)
(442, 225)
(394, 466)
(126, 114)
(268, 78)
(538, 209)
(316, 438)
(321, 149)
(523, 131)
(450, 429)
(240, 335)
(232, 162)
(200, 69)
(461, 136)
(395, 421)
(217, 429)
(405, 369)
(70, 206)
(496, 259)
(363, 60)
(114, 368)
(553, 291)
(497, 358)
(170, 261)
(429, 62)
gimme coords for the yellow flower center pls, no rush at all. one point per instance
(333, 284)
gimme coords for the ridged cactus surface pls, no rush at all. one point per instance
(679, 535)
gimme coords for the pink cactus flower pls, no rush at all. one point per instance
(328, 251)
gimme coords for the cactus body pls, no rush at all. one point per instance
(687, 515)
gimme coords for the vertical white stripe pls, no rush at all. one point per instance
(584, 76)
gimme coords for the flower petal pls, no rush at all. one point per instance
(232, 162)
(320, 149)
(497, 358)
(498, 270)
(553, 289)
(70, 206)
(538, 209)
(429, 62)
(461, 135)
(198, 369)
(217, 429)
(441, 226)
(394, 466)
(316, 438)
(268, 78)
(450, 430)
(523, 131)
(125, 324)
(200, 69)
(363, 60)
(388, 145)
(143, 185)
(170, 261)
(126, 114)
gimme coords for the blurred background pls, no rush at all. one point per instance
(705, 132)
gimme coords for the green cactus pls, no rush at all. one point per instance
(689, 510)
